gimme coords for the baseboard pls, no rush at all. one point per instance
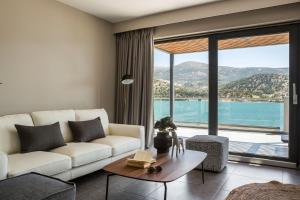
(262, 161)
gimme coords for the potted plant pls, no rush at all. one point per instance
(163, 141)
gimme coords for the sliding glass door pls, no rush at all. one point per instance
(256, 91)
(181, 89)
(253, 93)
(242, 85)
(191, 89)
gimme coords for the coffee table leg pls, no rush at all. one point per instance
(165, 196)
(107, 185)
(202, 172)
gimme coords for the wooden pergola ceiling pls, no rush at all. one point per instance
(201, 44)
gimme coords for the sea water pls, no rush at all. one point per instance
(242, 113)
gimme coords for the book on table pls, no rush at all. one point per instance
(142, 159)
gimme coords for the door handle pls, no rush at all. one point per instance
(295, 96)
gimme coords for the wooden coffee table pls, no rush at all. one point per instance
(172, 168)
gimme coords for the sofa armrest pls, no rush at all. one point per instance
(3, 166)
(128, 130)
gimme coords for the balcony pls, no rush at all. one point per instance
(250, 134)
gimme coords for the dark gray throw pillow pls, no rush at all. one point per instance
(85, 131)
(40, 138)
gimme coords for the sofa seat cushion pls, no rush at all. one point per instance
(120, 144)
(46, 163)
(84, 153)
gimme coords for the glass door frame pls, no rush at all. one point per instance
(293, 73)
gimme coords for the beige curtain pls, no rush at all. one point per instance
(135, 57)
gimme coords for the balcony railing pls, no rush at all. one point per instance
(241, 114)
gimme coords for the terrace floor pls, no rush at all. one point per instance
(257, 143)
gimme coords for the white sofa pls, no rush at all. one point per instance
(74, 159)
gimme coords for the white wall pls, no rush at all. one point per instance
(54, 57)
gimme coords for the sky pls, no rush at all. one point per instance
(275, 56)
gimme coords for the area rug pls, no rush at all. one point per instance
(265, 191)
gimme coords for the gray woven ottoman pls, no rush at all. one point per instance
(216, 148)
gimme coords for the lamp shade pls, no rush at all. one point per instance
(127, 79)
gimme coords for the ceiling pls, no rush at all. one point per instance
(122, 10)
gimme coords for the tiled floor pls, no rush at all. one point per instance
(190, 187)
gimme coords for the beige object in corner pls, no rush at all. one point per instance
(264, 191)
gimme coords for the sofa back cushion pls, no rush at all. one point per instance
(89, 114)
(9, 139)
(50, 117)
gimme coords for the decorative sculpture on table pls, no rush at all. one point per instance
(177, 143)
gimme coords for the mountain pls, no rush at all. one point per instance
(191, 81)
(162, 90)
(195, 74)
(261, 86)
